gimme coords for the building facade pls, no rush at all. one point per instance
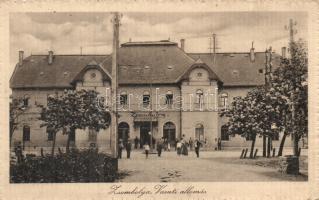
(163, 92)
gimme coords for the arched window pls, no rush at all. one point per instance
(169, 132)
(224, 99)
(199, 132)
(123, 98)
(146, 98)
(169, 98)
(26, 133)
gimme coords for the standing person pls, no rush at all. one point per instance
(190, 144)
(219, 144)
(216, 144)
(197, 146)
(147, 149)
(168, 146)
(159, 145)
(136, 142)
(128, 148)
(121, 147)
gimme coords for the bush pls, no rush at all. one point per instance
(84, 166)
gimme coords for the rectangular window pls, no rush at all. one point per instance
(50, 135)
(224, 133)
(26, 102)
(169, 99)
(249, 137)
(123, 99)
(26, 133)
(275, 136)
(72, 135)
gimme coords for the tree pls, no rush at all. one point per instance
(74, 110)
(289, 83)
(252, 115)
(16, 109)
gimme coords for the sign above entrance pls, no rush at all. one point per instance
(142, 117)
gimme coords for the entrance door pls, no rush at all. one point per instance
(123, 131)
(145, 128)
(169, 132)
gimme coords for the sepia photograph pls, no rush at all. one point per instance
(122, 97)
(158, 97)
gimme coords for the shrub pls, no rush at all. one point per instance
(84, 166)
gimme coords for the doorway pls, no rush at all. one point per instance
(123, 131)
(169, 133)
(145, 128)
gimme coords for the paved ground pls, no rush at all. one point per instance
(211, 166)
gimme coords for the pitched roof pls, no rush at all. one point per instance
(161, 62)
(36, 72)
(157, 63)
(236, 69)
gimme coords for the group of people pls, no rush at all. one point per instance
(181, 146)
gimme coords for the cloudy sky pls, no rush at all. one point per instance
(65, 33)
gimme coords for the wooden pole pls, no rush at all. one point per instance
(114, 86)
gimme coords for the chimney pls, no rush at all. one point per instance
(252, 52)
(183, 44)
(283, 52)
(50, 58)
(20, 57)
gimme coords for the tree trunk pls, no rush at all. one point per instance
(68, 143)
(53, 144)
(264, 146)
(282, 143)
(296, 147)
(252, 147)
(268, 146)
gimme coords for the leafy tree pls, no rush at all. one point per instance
(252, 116)
(289, 83)
(16, 109)
(74, 110)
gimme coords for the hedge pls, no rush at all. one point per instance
(77, 166)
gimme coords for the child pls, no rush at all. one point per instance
(179, 147)
(147, 149)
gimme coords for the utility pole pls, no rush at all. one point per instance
(114, 86)
(214, 48)
(292, 31)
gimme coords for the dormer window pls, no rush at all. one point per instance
(146, 98)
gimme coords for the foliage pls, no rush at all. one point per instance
(289, 84)
(84, 166)
(252, 115)
(75, 110)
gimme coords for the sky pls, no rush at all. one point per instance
(66, 33)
